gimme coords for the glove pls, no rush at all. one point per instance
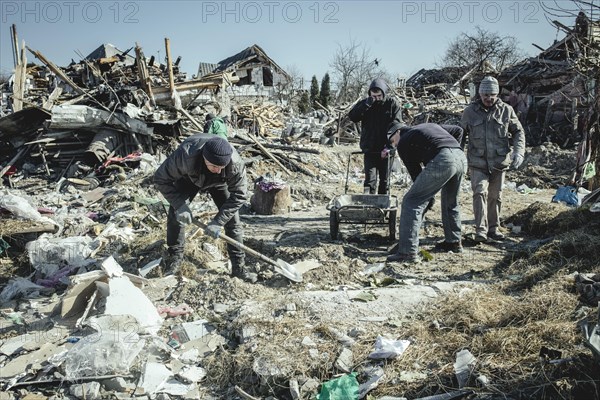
(183, 214)
(369, 102)
(213, 230)
(517, 160)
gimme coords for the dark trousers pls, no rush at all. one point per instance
(375, 165)
(233, 228)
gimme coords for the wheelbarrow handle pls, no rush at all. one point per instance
(239, 245)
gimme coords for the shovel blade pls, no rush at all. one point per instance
(287, 270)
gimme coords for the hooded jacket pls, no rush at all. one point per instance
(186, 164)
(216, 126)
(491, 132)
(375, 119)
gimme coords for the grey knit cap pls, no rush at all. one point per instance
(217, 151)
(489, 85)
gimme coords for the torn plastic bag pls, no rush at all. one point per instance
(567, 195)
(72, 251)
(388, 348)
(343, 388)
(111, 350)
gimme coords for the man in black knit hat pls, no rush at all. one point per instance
(209, 164)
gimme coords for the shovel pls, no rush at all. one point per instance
(279, 266)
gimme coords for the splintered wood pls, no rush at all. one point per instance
(264, 118)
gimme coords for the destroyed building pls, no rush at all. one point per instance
(554, 92)
(258, 74)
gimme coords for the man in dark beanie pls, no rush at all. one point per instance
(209, 164)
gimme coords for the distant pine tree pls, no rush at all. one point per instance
(304, 103)
(325, 95)
(314, 92)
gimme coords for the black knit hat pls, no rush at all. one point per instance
(217, 151)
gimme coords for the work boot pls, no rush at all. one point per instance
(173, 263)
(239, 271)
(404, 258)
(454, 247)
(480, 238)
(496, 235)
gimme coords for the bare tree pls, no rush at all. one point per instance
(555, 9)
(353, 67)
(468, 50)
(291, 89)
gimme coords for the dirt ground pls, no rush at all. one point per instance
(279, 334)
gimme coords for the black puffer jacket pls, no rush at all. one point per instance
(186, 163)
(376, 119)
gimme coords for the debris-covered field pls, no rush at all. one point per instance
(510, 309)
(90, 310)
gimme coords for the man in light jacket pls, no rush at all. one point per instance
(491, 125)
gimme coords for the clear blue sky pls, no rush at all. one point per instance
(404, 35)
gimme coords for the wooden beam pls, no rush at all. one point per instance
(52, 98)
(170, 67)
(143, 73)
(15, 44)
(268, 154)
(56, 70)
(19, 86)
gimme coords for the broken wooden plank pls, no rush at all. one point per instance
(52, 98)
(144, 76)
(268, 154)
(56, 70)
(20, 77)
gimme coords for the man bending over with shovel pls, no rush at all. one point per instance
(204, 163)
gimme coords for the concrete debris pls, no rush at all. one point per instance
(189, 331)
(31, 363)
(89, 390)
(345, 361)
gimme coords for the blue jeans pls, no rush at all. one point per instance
(444, 172)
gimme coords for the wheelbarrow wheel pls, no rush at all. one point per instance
(334, 225)
(392, 223)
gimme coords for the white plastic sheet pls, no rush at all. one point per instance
(388, 348)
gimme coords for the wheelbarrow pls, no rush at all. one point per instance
(365, 209)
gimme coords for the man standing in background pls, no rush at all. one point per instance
(376, 114)
(491, 125)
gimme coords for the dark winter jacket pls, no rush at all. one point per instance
(419, 144)
(375, 119)
(186, 163)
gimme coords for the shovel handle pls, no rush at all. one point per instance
(239, 245)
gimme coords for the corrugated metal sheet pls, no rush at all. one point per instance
(205, 68)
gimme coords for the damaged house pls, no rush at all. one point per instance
(553, 92)
(258, 74)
